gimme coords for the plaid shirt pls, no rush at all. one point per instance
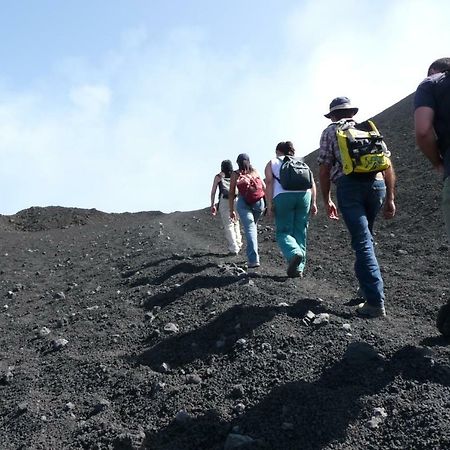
(329, 153)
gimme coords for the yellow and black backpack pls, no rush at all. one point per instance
(362, 147)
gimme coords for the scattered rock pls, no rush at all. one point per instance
(164, 368)
(59, 295)
(43, 332)
(69, 406)
(308, 318)
(193, 378)
(6, 376)
(321, 319)
(22, 407)
(236, 440)
(360, 352)
(239, 408)
(379, 414)
(182, 417)
(171, 328)
(102, 405)
(60, 343)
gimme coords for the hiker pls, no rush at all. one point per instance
(231, 227)
(360, 197)
(250, 204)
(290, 206)
(432, 127)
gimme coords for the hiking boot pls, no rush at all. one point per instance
(253, 265)
(360, 294)
(370, 311)
(292, 269)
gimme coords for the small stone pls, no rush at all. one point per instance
(308, 318)
(7, 376)
(59, 343)
(164, 368)
(234, 441)
(401, 252)
(59, 295)
(193, 378)
(69, 406)
(287, 426)
(102, 405)
(346, 327)
(62, 322)
(241, 342)
(44, 331)
(322, 318)
(239, 408)
(360, 352)
(171, 328)
(22, 407)
(380, 412)
(182, 416)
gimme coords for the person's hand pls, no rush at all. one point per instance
(439, 169)
(389, 209)
(213, 210)
(332, 211)
(313, 209)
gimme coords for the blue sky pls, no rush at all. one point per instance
(131, 105)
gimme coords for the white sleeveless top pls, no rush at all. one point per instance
(276, 165)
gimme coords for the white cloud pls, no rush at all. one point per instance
(146, 126)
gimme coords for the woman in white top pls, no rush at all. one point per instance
(291, 210)
(231, 227)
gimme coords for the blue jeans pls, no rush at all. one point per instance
(359, 202)
(249, 215)
(291, 220)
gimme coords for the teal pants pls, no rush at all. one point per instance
(291, 221)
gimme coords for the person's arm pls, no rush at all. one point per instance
(389, 201)
(325, 187)
(213, 195)
(426, 136)
(313, 197)
(232, 195)
(269, 188)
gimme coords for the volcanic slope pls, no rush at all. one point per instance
(130, 331)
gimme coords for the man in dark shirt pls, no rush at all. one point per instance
(432, 124)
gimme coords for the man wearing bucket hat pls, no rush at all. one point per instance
(360, 197)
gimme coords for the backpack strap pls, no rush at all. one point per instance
(282, 160)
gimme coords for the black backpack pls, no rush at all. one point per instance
(295, 175)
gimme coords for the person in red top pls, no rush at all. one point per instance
(249, 213)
